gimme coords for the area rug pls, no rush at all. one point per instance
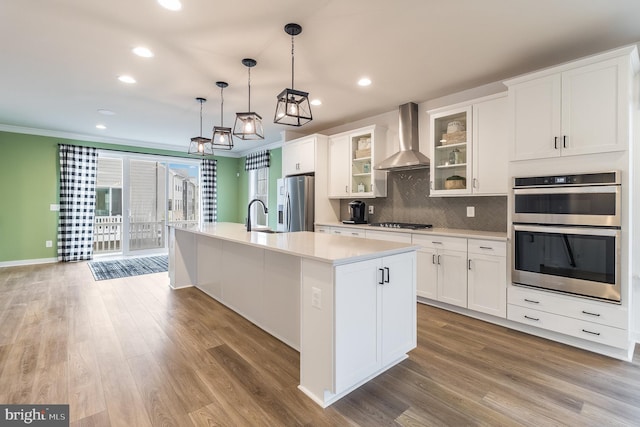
(114, 269)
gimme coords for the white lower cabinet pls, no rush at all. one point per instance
(468, 273)
(376, 329)
(442, 268)
(595, 321)
(487, 277)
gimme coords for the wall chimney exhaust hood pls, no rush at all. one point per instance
(409, 156)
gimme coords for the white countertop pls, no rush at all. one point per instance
(318, 246)
(453, 232)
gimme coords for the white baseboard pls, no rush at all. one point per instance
(20, 262)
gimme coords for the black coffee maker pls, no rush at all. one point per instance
(357, 210)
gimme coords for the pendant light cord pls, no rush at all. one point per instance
(221, 107)
(200, 118)
(292, 61)
(249, 109)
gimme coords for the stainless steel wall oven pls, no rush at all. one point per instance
(566, 234)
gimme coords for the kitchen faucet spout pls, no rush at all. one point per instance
(264, 208)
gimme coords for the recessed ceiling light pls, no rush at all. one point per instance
(142, 51)
(364, 81)
(105, 112)
(126, 79)
(316, 102)
(101, 127)
(171, 4)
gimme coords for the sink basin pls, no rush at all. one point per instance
(267, 230)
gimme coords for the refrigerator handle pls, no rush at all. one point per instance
(287, 211)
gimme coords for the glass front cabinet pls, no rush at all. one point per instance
(451, 151)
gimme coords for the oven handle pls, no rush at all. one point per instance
(589, 231)
(568, 190)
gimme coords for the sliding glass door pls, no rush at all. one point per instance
(136, 196)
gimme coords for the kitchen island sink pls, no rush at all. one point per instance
(347, 305)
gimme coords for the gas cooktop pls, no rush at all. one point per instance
(400, 225)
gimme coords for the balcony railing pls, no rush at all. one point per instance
(108, 230)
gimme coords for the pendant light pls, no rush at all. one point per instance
(200, 145)
(293, 106)
(248, 125)
(222, 137)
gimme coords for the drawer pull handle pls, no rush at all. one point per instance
(386, 269)
(486, 247)
(381, 282)
(354, 234)
(589, 332)
(532, 318)
(532, 301)
(437, 243)
(591, 314)
(433, 259)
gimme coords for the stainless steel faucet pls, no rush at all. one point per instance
(264, 208)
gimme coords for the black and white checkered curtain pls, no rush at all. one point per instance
(257, 160)
(78, 171)
(209, 191)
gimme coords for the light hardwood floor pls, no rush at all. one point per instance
(132, 352)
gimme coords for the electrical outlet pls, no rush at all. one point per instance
(471, 211)
(370, 209)
(316, 297)
(48, 244)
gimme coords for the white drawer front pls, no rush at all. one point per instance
(351, 232)
(487, 247)
(322, 229)
(575, 307)
(440, 242)
(389, 236)
(595, 332)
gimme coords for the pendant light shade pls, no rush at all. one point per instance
(222, 136)
(293, 106)
(248, 125)
(200, 145)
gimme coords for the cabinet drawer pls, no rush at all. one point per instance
(487, 247)
(322, 229)
(351, 232)
(389, 236)
(577, 308)
(440, 242)
(566, 325)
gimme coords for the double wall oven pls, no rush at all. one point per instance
(566, 234)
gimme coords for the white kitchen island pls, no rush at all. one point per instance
(347, 304)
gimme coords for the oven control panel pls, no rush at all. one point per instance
(602, 178)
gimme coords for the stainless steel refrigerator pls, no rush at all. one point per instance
(298, 203)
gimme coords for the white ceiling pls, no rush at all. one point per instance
(60, 58)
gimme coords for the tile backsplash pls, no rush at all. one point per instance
(408, 201)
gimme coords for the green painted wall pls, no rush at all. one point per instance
(29, 178)
(275, 172)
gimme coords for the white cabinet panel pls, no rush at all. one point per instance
(490, 147)
(577, 108)
(339, 166)
(487, 284)
(298, 156)
(452, 277)
(427, 274)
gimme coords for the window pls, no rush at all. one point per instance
(259, 189)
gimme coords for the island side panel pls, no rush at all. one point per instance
(242, 272)
(281, 297)
(317, 375)
(182, 259)
(210, 265)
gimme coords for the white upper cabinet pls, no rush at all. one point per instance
(577, 108)
(469, 148)
(299, 156)
(352, 156)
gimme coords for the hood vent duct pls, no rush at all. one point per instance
(409, 156)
